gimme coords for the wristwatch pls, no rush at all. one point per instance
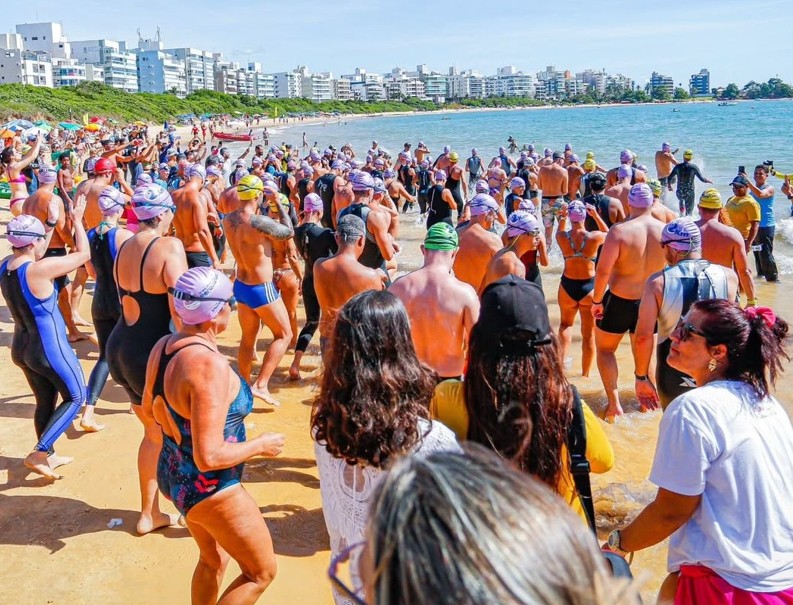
(614, 542)
(643, 378)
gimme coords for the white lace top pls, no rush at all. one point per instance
(346, 489)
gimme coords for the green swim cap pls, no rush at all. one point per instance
(441, 236)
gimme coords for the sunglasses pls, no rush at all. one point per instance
(351, 553)
(684, 330)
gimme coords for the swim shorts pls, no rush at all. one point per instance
(198, 259)
(256, 296)
(619, 314)
(551, 208)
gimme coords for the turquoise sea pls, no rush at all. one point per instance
(722, 138)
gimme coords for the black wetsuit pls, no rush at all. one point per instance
(453, 185)
(40, 348)
(529, 260)
(525, 173)
(283, 183)
(424, 182)
(105, 307)
(129, 346)
(313, 243)
(324, 188)
(509, 203)
(409, 183)
(302, 191)
(601, 204)
(439, 210)
(685, 172)
(371, 256)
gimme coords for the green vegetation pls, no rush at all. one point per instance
(773, 89)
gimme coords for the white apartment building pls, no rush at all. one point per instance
(342, 90)
(509, 82)
(595, 80)
(159, 72)
(435, 86)
(225, 76)
(263, 84)
(46, 38)
(11, 42)
(25, 67)
(120, 65)
(317, 87)
(199, 66)
(288, 85)
(68, 72)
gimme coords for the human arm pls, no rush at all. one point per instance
(542, 250)
(667, 513)
(201, 228)
(280, 230)
(384, 240)
(763, 194)
(31, 155)
(128, 191)
(616, 211)
(294, 259)
(55, 266)
(698, 174)
(744, 272)
(608, 256)
(649, 307)
(447, 197)
(754, 227)
(245, 153)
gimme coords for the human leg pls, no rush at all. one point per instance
(765, 238)
(275, 317)
(77, 288)
(46, 396)
(98, 377)
(311, 306)
(249, 327)
(211, 566)
(568, 309)
(606, 344)
(290, 294)
(587, 335)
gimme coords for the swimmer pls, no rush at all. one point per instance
(200, 404)
(524, 247)
(477, 243)
(608, 208)
(287, 272)
(190, 220)
(553, 181)
(631, 253)
(39, 346)
(250, 237)
(579, 249)
(622, 187)
(574, 174)
(338, 278)
(685, 173)
(661, 212)
(13, 163)
(665, 161)
(627, 159)
(722, 244)
(104, 242)
(455, 182)
(440, 201)
(396, 191)
(441, 308)
(147, 264)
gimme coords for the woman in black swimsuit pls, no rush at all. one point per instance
(147, 265)
(579, 248)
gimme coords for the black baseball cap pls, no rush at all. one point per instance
(514, 315)
(740, 180)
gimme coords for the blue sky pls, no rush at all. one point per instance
(736, 41)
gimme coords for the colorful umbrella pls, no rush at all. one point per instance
(6, 133)
(42, 125)
(69, 126)
(93, 127)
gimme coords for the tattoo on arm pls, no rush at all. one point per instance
(269, 227)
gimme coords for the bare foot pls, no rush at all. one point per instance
(38, 463)
(294, 373)
(256, 357)
(148, 524)
(91, 426)
(74, 337)
(56, 461)
(265, 395)
(79, 321)
(612, 411)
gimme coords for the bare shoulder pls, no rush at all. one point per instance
(171, 245)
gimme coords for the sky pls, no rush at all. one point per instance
(736, 41)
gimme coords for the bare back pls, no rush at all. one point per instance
(620, 192)
(36, 205)
(503, 263)
(720, 243)
(251, 248)
(190, 207)
(553, 180)
(664, 162)
(477, 247)
(93, 215)
(639, 255)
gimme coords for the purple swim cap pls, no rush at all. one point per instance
(389, 174)
(440, 175)
(626, 157)
(501, 150)
(527, 205)
(530, 147)
(682, 234)
(640, 196)
(257, 161)
(379, 162)
(624, 171)
(447, 149)
(111, 201)
(474, 151)
(271, 187)
(24, 230)
(314, 157)
(576, 211)
(337, 165)
(358, 164)
(548, 152)
(291, 165)
(516, 183)
(151, 201)
(574, 159)
(482, 203)
(379, 185)
(524, 155)
(214, 171)
(666, 147)
(313, 203)
(47, 176)
(308, 171)
(424, 164)
(568, 147)
(521, 222)
(362, 181)
(482, 186)
(200, 294)
(143, 180)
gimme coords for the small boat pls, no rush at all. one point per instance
(227, 136)
(726, 104)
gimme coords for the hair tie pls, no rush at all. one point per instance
(766, 313)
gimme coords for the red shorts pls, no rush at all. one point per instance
(700, 585)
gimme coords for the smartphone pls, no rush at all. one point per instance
(741, 169)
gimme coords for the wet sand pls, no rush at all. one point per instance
(55, 543)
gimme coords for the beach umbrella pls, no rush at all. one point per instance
(93, 127)
(69, 126)
(19, 125)
(7, 133)
(33, 132)
(43, 125)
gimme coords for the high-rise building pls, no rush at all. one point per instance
(159, 72)
(662, 82)
(288, 84)
(68, 72)
(46, 38)
(25, 67)
(699, 84)
(120, 66)
(199, 66)
(263, 84)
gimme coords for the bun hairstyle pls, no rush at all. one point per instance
(756, 341)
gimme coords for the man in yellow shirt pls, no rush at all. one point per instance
(744, 211)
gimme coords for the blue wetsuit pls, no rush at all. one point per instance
(41, 349)
(105, 308)
(178, 477)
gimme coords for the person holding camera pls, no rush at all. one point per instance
(763, 193)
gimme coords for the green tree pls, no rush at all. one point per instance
(681, 94)
(660, 94)
(732, 91)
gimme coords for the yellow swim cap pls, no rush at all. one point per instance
(590, 155)
(710, 199)
(249, 187)
(688, 153)
(453, 157)
(655, 187)
(590, 165)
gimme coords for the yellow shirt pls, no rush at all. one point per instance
(448, 406)
(743, 211)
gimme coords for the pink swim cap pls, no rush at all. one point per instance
(362, 181)
(482, 203)
(151, 201)
(576, 211)
(47, 176)
(200, 294)
(640, 196)
(24, 230)
(111, 201)
(313, 203)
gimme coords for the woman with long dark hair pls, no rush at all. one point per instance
(12, 163)
(723, 464)
(515, 398)
(372, 409)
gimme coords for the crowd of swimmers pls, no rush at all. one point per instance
(452, 449)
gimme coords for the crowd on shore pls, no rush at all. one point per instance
(453, 452)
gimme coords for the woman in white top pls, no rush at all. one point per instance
(372, 408)
(723, 464)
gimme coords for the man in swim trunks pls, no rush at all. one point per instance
(442, 309)
(190, 220)
(665, 161)
(685, 173)
(667, 296)
(631, 253)
(250, 238)
(340, 277)
(422, 151)
(474, 167)
(66, 179)
(574, 174)
(622, 187)
(722, 244)
(477, 243)
(553, 181)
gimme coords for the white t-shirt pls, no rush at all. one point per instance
(346, 490)
(737, 452)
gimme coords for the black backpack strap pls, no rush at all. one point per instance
(579, 465)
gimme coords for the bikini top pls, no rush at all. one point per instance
(580, 252)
